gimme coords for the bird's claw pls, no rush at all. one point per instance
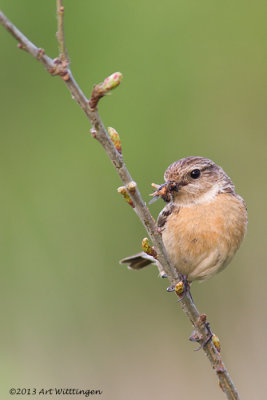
(194, 337)
(185, 287)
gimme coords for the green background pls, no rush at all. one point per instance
(195, 83)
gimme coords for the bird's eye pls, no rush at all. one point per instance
(195, 173)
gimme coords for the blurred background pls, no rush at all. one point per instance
(194, 83)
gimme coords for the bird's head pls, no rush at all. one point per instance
(193, 180)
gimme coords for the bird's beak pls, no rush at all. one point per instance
(164, 191)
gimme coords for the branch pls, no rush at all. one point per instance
(60, 66)
(63, 55)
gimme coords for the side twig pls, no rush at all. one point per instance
(63, 55)
(60, 66)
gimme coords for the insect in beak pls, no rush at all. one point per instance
(163, 191)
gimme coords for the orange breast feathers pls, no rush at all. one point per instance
(201, 239)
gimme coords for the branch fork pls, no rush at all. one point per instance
(60, 68)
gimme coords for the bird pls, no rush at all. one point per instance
(203, 223)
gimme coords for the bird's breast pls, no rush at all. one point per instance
(201, 239)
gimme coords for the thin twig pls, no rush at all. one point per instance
(63, 55)
(58, 67)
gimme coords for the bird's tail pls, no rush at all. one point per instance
(138, 261)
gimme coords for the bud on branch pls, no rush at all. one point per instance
(122, 190)
(148, 249)
(115, 137)
(103, 88)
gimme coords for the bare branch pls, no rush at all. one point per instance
(25, 44)
(60, 67)
(63, 55)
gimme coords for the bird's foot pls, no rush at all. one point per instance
(171, 288)
(196, 338)
(181, 288)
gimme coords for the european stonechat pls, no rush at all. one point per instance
(204, 221)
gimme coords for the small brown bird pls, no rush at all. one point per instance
(204, 221)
